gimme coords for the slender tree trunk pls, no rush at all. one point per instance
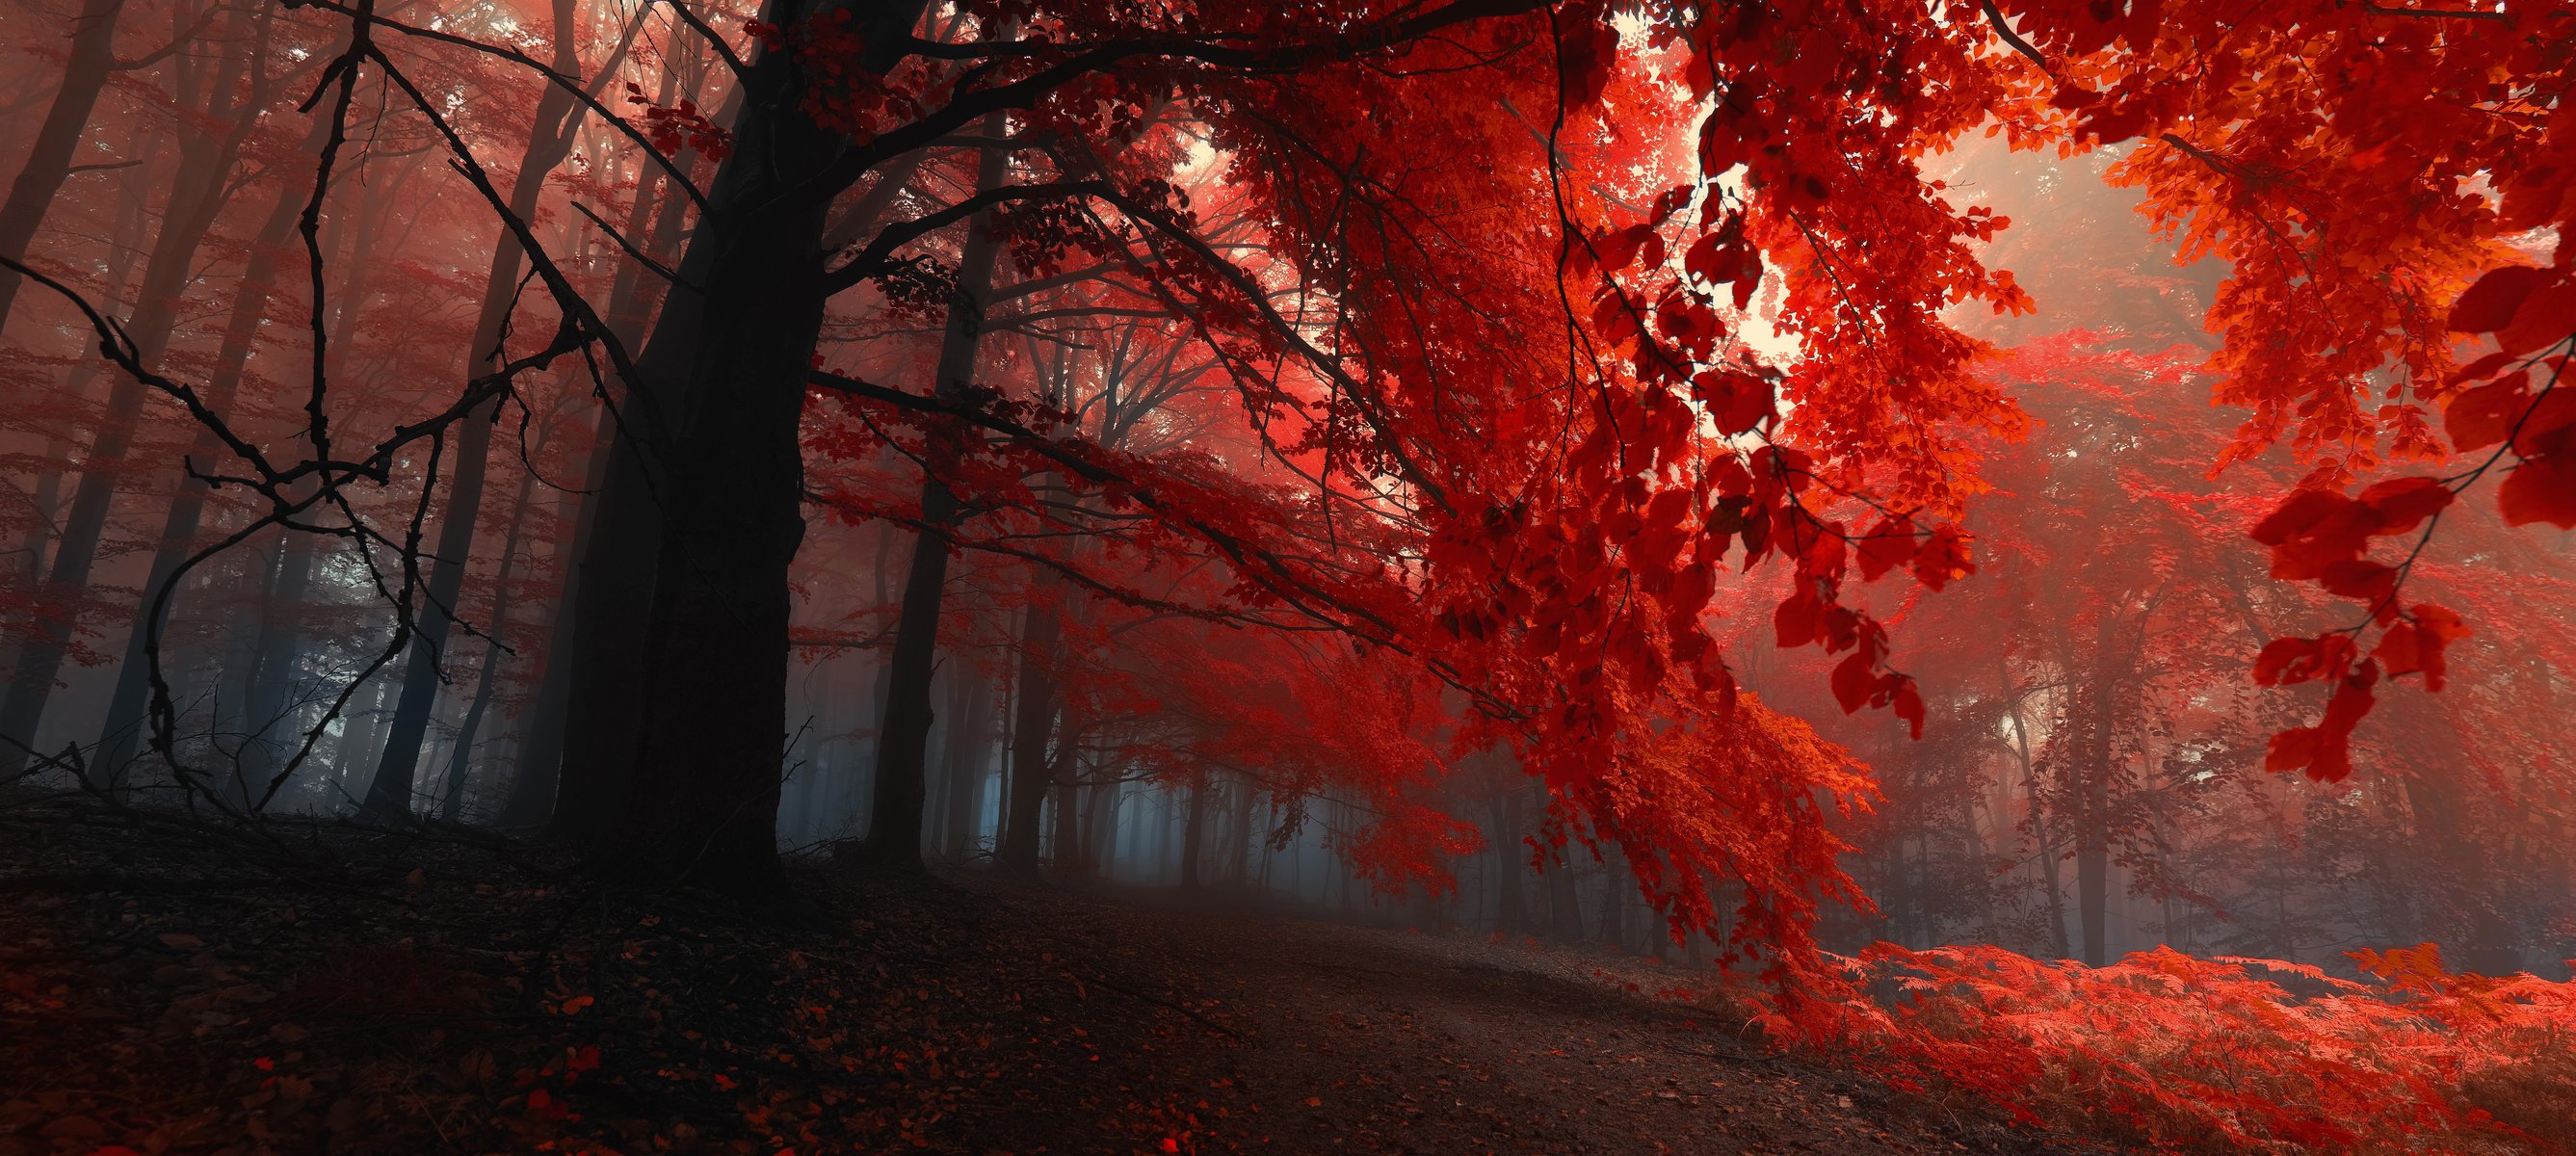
(1564, 904)
(2093, 822)
(895, 813)
(459, 756)
(1194, 832)
(199, 189)
(970, 722)
(550, 137)
(1033, 719)
(1100, 828)
(1238, 841)
(2049, 871)
(1063, 771)
(1614, 908)
(277, 653)
(126, 720)
(49, 161)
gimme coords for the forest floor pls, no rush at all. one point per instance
(169, 987)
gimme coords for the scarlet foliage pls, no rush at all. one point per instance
(2183, 1053)
(1331, 431)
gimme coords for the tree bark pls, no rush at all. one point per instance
(1194, 833)
(970, 725)
(49, 162)
(699, 803)
(199, 189)
(126, 716)
(550, 138)
(460, 753)
(1063, 771)
(895, 809)
(1034, 718)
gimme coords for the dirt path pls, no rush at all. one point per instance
(1361, 1040)
(338, 991)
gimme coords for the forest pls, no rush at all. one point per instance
(1434, 576)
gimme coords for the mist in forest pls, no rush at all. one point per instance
(1195, 463)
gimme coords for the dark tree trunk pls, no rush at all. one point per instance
(895, 811)
(460, 754)
(655, 216)
(1065, 769)
(698, 801)
(1616, 884)
(1238, 838)
(201, 185)
(1033, 718)
(126, 721)
(1100, 828)
(970, 725)
(1513, 902)
(540, 751)
(277, 654)
(550, 138)
(49, 161)
(1194, 833)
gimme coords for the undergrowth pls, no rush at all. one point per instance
(2189, 1054)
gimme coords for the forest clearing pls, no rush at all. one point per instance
(1444, 576)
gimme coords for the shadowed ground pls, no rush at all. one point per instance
(170, 988)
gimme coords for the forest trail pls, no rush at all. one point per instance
(1359, 1039)
(338, 990)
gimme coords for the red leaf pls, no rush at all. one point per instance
(2481, 417)
(1888, 545)
(1909, 706)
(2490, 304)
(2417, 644)
(2404, 503)
(2291, 749)
(2538, 427)
(2541, 489)
(2545, 319)
(2290, 661)
(2362, 579)
(1796, 620)
(1854, 682)
(2305, 509)
(1943, 558)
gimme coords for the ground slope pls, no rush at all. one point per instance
(169, 987)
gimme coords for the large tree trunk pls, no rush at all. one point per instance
(49, 161)
(46, 498)
(539, 760)
(700, 801)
